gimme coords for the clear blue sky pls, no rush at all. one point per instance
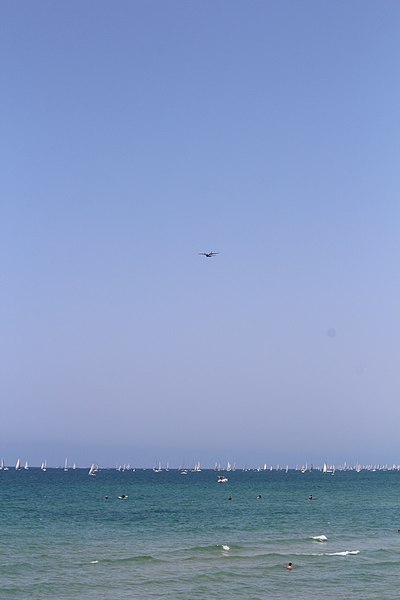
(135, 135)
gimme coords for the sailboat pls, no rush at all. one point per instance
(43, 466)
(93, 470)
(26, 467)
(328, 469)
(66, 465)
(18, 465)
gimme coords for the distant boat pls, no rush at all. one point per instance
(184, 471)
(196, 468)
(157, 468)
(326, 469)
(18, 465)
(93, 470)
(222, 479)
(66, 465)
(43, 466)
(26, 467)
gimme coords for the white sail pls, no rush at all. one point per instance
(18, 465)
(93, 469)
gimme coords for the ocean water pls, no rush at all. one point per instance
(61, 539)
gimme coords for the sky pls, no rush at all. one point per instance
(136, 134)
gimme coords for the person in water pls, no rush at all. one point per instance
(310, 497)
(259, 497)
(289, 566)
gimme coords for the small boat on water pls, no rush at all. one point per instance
(43, 466)
(222, 479)
(328, 469)
(94, 469)
(18, 465)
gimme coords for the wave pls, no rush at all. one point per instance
(344, 553)
(212, 548)
(127, 559)
(319, 538)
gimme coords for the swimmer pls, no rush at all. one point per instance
(105, 497)
(259, 497)
(230, 498)
(289, 566)
(310, 497)
(122, 497)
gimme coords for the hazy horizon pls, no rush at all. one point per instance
(137, 135)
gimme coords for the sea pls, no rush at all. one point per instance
(124, 535)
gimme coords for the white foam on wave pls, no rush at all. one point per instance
(225, 547)
(94, 562)
(344, 553)
(319, 538)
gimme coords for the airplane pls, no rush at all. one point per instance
(208, 254)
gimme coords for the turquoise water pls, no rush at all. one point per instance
(61, 539)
